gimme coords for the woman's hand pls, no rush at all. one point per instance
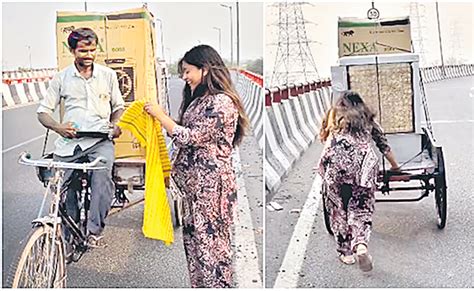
(154, 110)
(393, 161)
(395, 168)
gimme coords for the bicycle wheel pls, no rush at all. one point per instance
(327, 220)
(441, 191)
(32, 269)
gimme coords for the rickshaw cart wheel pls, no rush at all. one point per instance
(440, 190)
(327, 222)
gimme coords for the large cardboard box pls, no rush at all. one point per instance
(394, 108)
(127, 43)
(367, 37)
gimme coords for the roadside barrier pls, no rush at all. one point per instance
(35, 75)
(436, 73)
(23, 93)
(22, 87)
(293, 116)
(250, 88)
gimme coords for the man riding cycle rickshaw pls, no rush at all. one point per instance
(89, 172)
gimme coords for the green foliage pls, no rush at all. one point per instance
(255, 66)
(173, 68)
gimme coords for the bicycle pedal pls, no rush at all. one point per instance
(117, 205)
(122, 203)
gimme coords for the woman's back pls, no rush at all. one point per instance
(343, 159)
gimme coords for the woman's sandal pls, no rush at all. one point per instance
(364, 259)
(347, 260)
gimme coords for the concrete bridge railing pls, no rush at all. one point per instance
(436, 73)
(250, 87)
(293, 116)
(21, 87)
(35, 75)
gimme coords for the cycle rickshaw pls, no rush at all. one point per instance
(43, 257)
(391, 84)
(130, 53)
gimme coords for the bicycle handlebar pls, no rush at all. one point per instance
(25, 159)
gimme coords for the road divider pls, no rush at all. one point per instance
(23, 93)
(35, 75)
(250, 88)
(293, 116)
(438, 73)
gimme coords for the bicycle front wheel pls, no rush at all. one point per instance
(41, 262)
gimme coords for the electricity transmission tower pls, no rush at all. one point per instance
(294, 62)
(418, 28)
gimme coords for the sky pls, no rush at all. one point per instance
(30, 27)
(456, 21)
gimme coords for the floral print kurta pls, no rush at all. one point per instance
(349, 168)
(203, 171)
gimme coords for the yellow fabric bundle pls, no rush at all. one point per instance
(157, 223)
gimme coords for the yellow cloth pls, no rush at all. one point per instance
(157, 223)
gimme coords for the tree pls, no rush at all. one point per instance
(173, 68)
(255, 66)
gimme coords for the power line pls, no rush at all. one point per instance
(294, 61)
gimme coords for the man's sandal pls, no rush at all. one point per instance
(96, 241)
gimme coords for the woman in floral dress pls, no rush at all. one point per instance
(349, 168)
(212, 122)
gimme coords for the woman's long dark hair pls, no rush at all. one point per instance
(216, 81)
(353, 115)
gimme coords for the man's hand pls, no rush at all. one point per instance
(66, 130)
(167, 182)
(117, 131)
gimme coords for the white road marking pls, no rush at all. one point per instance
(22, 144)
(450, 121)
(16, 106)
(289, 270)
(247, 272)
